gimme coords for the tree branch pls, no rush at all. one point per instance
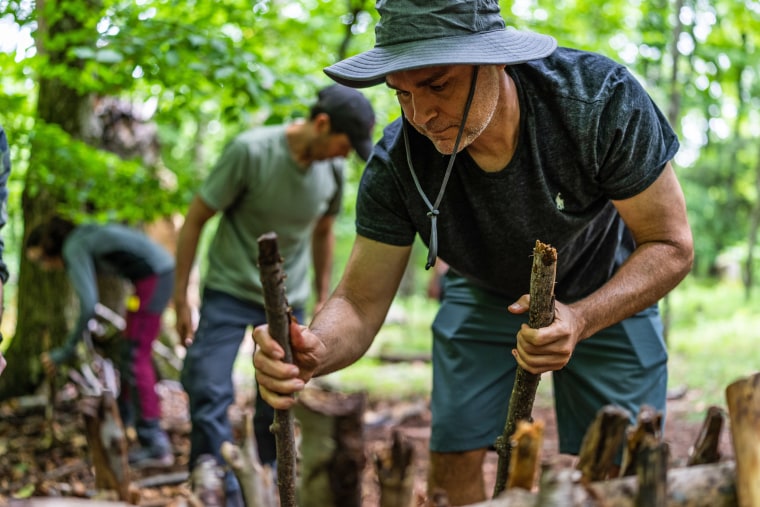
(278, 317)
(542, 277)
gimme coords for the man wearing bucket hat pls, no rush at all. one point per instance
(284, 178)
(504, 139)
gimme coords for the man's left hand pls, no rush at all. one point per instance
(548, 348)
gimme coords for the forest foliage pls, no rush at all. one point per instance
(198, 72)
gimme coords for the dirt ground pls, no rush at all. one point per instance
(43, 459)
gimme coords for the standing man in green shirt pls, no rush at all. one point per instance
(287, 179)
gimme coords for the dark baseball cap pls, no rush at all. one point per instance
(350, 113)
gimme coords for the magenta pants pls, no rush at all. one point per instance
(143, 325)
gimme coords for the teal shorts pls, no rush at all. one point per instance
(473, 371)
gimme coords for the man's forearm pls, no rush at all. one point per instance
(345, 333)
(187, 245)
(652, 270)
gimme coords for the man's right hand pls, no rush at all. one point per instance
(184, 322)
(278, 380)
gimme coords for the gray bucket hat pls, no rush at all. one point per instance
(413, 34)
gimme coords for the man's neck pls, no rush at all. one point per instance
(296, 135)
(494, 148)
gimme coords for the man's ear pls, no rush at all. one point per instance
(322, 123)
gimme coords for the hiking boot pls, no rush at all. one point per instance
(155, 448)
(151, 457)
(207, 479)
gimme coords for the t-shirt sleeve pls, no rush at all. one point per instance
(229, 176)
(635, 140)
(381, 212)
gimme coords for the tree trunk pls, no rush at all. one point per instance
(333, 457)
(44, 297)
(395, 473)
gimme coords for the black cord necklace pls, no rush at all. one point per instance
(434, 212)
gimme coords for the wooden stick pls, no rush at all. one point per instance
(255, 479)
(648, 422)
(108, 443)
(652, 473)
(524, 389)
(527, 442)
(711, 485)
(743, 397)
(278, 317)
(706, 449)
(601, 443)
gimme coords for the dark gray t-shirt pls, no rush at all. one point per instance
(589, 133)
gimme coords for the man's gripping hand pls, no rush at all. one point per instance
(278, 380)
(548, 348)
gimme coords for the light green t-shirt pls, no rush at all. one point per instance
(258, 188)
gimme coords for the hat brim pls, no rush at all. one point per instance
(507, 47)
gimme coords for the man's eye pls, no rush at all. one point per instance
(438, 87)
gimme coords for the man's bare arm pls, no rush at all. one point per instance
(355, 312)
(187, 245)
(662, 258)
(341, 332)
(323, 248)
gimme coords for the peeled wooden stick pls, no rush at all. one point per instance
(527, 442)
(743, 400)
(278, 317)
(254, 478)
(541, 314)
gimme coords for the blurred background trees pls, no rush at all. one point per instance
(116, 109)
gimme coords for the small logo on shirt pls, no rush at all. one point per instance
(560, 202)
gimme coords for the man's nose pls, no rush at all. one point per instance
(423, 110)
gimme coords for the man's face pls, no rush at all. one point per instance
(326, 144)
(433, 100)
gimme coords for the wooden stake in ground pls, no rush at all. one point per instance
(527, 442)
(395, 472)
(711, 485)
(108, 443)
(278, 317)
(255, 479)
(743, 399)
(707, 447)
(541, 314)
(601, 443)
(332, 457)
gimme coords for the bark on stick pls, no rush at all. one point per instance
(278, 317)
(541, 314)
